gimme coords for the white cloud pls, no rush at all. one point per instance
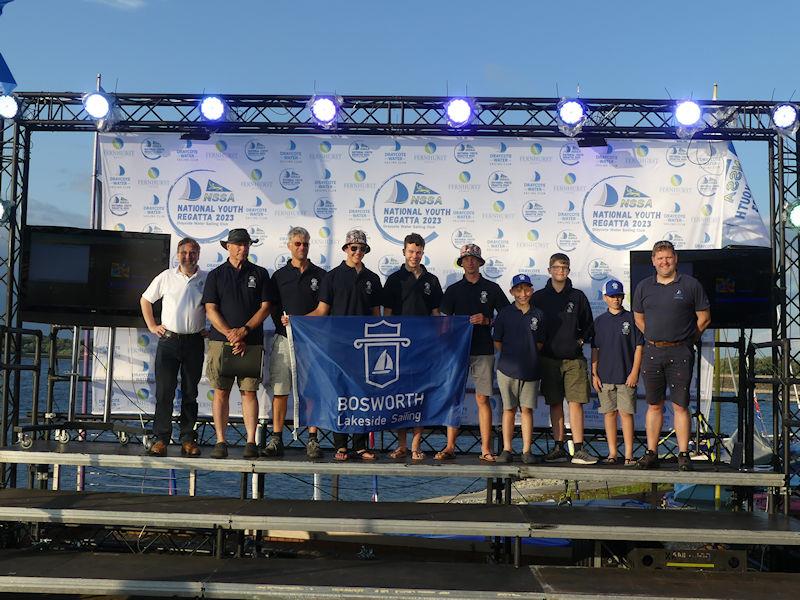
(122, 4)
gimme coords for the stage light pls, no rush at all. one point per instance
(570, 115)
(793, 215)
(325, 110)
(213, 108)
(784, 118)
(459, 112)
(97, 105)
(5, 211)
(688, 113)
(8, 107)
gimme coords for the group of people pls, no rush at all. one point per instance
(540, 339)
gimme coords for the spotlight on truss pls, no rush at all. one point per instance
(784, 119)
(793, 215)
(101, 107)
(5, 211)
(570, 115)
(459, 112)
(689, 117)
(9, 107)
(325, 110)
(213, 108)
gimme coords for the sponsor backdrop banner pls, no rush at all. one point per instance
(519, 199)
(362, 374)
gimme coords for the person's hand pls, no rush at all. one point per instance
(632, 380)
(239, 348)
(478, 319)
(285, 320)
(158, 330)
(236, 334)
(597, 384)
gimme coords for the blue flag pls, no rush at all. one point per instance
(361, 374)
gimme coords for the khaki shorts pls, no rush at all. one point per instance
(280, 367)
(217, 381)
(481, 368)
(617, 396)
(517, 392)
(564, 378)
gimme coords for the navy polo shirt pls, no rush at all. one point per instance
(406, 294)
(670, 309)
(519, 331)
(484, 297)
(295, 292)
(616, 338)
(238, 294)
(349, 292)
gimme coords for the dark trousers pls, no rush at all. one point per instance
(177, 354)
(359, 441)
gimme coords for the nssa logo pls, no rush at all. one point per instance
(381, 344)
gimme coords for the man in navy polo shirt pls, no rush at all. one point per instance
(351, 289)
(672, 310)
(237, 299)
(411, 290)
(480, 299)
(295, 291)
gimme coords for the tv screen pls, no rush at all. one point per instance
(738, 282)
(88, 277)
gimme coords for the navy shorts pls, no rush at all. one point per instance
(667, 368)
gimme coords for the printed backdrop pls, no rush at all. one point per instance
(519, 199)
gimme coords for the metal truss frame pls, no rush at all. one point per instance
(407, 116)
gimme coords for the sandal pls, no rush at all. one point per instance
(611, 460)
(398, 453)
(341, 455)
(488, 457)
(631, 462)
(417, 455)
(366, 455)
(444, 455)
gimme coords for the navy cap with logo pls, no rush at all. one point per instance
(521, 278)
(613, 287)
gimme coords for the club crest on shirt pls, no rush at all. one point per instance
(570, 307)
(678, 294)
(534, 323)
(427, 289)
(368, 287)
(314, 284)
(251, 281)
(626, 328)
(484, 297)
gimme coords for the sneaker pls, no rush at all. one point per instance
(220, 450)
(274, 447)
(582, 457)
(557, 454)
(685, 462)
(531, 459)
(648, 461)
(505, 457)
(250, 450)
(313, 449)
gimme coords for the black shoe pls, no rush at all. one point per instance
(505, 457)
(685, 462)
(250, 450)
(274, 447)
(648, 461)
(556, 455)
(220, 450)
(531, 459)
(313, 449)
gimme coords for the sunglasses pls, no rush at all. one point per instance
(354, 248)
(300, 244)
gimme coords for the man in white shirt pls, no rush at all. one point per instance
(180, 345)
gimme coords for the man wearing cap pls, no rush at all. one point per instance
(480, 299)
(672, 310)
(616, 360)
(295, 291)
(237, 299)
(348, 290)
(180, 345)
(411, 290)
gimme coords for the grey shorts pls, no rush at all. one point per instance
(617, 396)
(280, 367)
(217, 381)
(481, 368)
(517, 392)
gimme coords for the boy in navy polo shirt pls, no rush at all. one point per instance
(518, 336)
(616, 359)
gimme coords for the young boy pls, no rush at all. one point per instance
(616, 358)
(518, 336)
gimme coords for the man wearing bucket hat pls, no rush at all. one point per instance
(348, 290)
(237, 300)
(480, 299)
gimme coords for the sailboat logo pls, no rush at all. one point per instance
(381, 343)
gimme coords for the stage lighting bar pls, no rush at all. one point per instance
(325, 110)
(459, 112)
(213, 108)
(784, 118)
(570, 116)
(9, 107)
(689, 117)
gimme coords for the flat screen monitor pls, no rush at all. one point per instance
(738, 281)
(88, 277)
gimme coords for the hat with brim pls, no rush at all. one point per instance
(470, 250)
(238, 236)
(356, 236)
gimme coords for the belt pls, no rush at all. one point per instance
(170, 334)
(668, 344)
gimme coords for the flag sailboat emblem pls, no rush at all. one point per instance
(384, 365)
(381, 344)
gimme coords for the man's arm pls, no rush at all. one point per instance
(638, 318)
(217, 320)
(149, 317)
(323, 310)
(703, 321)
(257, 320)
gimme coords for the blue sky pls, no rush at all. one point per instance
(517, 48)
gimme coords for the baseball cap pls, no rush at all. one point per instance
(613, 287)
(521, 278)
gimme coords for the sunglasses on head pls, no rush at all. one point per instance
(356, 248)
